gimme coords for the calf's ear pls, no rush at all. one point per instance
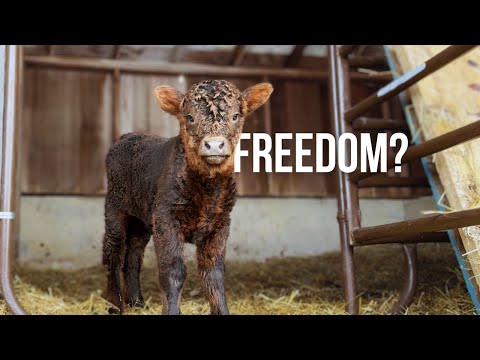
(169, 99)
(257, 95)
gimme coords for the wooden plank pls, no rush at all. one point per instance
(116, 51)
(346, 50)
(238, 54)
(367, 61)
(139, 110)
(67, 131)
(444, 101)
(177, 53)
(88, 51)
(294, 58)
(300, 107)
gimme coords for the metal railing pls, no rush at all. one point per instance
(9, 73)
(410, 232)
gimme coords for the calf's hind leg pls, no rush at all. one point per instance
(138, 236)
(114, 254)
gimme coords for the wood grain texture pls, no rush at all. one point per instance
(68, 128)
(444, 101)
(301, 107)
(66, 131)
(139, 110)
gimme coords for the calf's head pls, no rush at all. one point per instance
(211, 116)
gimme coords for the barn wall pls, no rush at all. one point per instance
(69, 124)
(65, 232)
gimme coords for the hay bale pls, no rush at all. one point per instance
(442, 102)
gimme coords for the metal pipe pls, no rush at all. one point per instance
(346, 217)
(450, 220)
(8, 177)
(425, 237)
(429, 147)
(410, 288)
(408, 79)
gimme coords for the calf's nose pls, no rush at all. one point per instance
(214, 146)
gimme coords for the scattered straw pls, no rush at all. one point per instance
(282, 286)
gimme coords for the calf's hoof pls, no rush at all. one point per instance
(115, 300)
(136, 303)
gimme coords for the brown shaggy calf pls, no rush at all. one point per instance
(178, 190)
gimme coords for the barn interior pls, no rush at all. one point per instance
(283, 250)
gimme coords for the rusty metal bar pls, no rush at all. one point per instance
(408, 79)
(451, 220)
(347, 195)
(368, 123)
(425, 237)
(9, 76)
(385, 181)
(346, 50)
(442, 142)
(411, 281)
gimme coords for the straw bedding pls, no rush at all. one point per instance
(310, 285)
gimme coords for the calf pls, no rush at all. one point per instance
(179, 190)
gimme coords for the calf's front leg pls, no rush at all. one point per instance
(211, 267)
(171, 268)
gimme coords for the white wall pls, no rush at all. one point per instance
(66, 232)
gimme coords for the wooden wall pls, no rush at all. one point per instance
(69, 122)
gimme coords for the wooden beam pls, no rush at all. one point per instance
(367, 61)
(294, 58)
(115, 105)
(397, 181)
(238, 55)
(345, 50)
(116, 51)
(176, 53)
(361, 49)
(146, 67)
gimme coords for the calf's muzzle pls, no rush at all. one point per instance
(215, 149)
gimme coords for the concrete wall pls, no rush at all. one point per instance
(66, 232)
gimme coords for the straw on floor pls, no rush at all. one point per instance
(310, 285)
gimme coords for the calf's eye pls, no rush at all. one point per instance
(236, 117)
(189, 118)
